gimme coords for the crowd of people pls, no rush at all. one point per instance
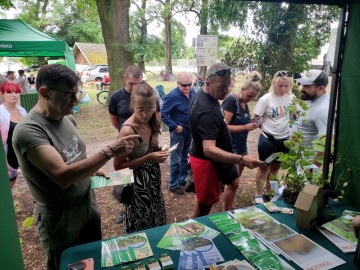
(210, 134)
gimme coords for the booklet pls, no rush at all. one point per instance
(125, 249)
(307, 254)
(271, 207)
(178, 232)
(87, 264)
(342, 226)
(198, 253)
(233, 265)
(340, 243)
(121, 177)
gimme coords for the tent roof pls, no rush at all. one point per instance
(94, 53)
(20, 39)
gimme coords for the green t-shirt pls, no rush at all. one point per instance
(35, 130)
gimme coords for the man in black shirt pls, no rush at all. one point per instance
(211, 156)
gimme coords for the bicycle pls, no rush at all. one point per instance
(168, 77)
(102, 96)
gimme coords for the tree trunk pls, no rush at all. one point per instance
(168, 53)
(143, 34)
(203, 30)
(114, 19)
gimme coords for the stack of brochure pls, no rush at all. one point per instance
(195, 242)
(342, 227)
(284, 241)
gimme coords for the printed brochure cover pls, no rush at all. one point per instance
(340, 243)
(177, 232)
(121, 177)
(342, 226)
(307, 254)
(125, 249)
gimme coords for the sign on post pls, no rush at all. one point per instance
(206, 50)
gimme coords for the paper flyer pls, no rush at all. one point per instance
(198, 253)
(342, 226)
(125, 249)
(272, 207)
(233, 265)
(340, 243)
(178, 232)
(121, 177)
(307, 254)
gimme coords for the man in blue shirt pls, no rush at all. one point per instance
(175, 114)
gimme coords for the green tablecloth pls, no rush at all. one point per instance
(227, 250)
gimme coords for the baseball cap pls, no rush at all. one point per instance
(313, 76)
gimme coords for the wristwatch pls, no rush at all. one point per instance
(241, 161)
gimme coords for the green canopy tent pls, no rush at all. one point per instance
(18, 39)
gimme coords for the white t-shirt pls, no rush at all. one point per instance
(26, 84)
(273, 109)
(314, 122)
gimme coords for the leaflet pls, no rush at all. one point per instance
(121, 177)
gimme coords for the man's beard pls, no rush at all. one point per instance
(305, 96)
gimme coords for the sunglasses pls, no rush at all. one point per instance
(220, 73)
(12, 91)
(284, 73)
(185, 84)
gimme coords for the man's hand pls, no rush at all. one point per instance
(123, 145)
(250, 126)
(102, 172)
(356, 225)
(252, 163)
(178, 129)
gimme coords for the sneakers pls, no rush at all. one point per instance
(120, 218)
(259, 199)
(177, 191)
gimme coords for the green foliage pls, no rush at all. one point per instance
(287, 35)
(296, 108)
(6, 4)
(294, 161)
(28, 222)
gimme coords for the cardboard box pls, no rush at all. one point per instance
(307, 207)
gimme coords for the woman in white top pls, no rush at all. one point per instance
(275, 129)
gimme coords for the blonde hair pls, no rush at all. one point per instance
(253, 81)
(277, 77)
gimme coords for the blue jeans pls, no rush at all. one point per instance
(178, 159)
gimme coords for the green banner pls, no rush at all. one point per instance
(348, 139)
(10, 255)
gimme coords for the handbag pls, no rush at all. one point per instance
(227, 173)
(123, 193)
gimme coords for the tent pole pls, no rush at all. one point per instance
(334, 103)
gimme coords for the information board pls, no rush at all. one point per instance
(206, 50)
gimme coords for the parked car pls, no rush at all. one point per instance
(94, 73)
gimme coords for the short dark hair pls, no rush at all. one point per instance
(134, 71)
(9, 72)
(53, 75)
(21, 72)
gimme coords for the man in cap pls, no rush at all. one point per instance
(313, 123)
(211, 157)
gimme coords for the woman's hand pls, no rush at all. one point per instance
(159, 156)
(250, 126)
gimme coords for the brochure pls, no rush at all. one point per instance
(198, 253)
(342, 226)
(125, 249)
(87, 264)
(272, 207)
(178, 232)
(121, 177)
(342, 244)
(233, 265)
(307, 254)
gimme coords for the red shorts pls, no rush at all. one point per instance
(206, 180)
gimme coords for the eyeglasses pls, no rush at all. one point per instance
(73, 94)
(140, 110)
(284, 73)
(220, 73)
(185, 84)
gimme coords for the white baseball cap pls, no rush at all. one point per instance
(313, 76)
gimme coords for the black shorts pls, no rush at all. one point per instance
(270, 145)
